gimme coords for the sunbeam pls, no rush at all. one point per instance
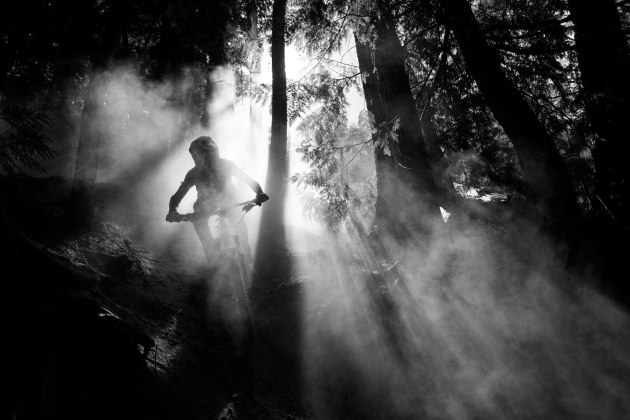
(464, 328)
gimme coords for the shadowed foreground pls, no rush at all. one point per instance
(482, 322)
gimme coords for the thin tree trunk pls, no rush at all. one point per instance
(278, 166)
(207, 98)
(272, 236)
(604, 63)
(273, 262)
(384, 164)
(169, 58)
(86, 164)
(184, 106)
(254, 66)
(543, 168)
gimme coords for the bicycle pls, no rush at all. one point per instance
(232, 268)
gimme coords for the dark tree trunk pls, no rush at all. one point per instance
(183, 104)
(168, 50)
(207, 98)
(86, 164)
(384, 164)
(272, 236)
(254, 59)
(543, 168)
(604, 63)
(413, 165)
(273, 262)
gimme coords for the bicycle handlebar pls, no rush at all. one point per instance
(245, 207)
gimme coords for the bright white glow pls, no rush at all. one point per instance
(241, 129)
(296, 64)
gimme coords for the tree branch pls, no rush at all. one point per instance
(340, 62)
(332, 42)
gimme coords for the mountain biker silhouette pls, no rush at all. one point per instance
(211, 176)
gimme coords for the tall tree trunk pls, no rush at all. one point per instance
(207, 99)
(413, 165)
(86, 164)
(604, 63)
(273, 262)
(254, 59)
(543, 168)
(384, 164)
(272, 231)
(168, 59)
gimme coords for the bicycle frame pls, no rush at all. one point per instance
(227, 238)
(229, 243)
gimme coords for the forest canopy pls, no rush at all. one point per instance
(524, 100)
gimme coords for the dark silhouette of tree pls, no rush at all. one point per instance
(604, 62)
(401, 154)
(463, 139)
(548, 180)
(424, 100)
(272, 236)
(417, 201)
(384, 163)
(86, 164)
(44, 49)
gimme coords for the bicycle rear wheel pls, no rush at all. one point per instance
(238, 311)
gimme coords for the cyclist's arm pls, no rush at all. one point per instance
(240, 174)
(180, 193)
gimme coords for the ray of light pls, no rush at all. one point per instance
(468, 327)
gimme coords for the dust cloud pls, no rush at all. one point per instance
(469, 322)
(474, 321)
(146, 128)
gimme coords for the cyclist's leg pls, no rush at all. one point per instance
(240, 229)
(209, 244)
(242, 233)
(219, 289)
(241, 321)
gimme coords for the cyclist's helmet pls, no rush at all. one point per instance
(204, 146)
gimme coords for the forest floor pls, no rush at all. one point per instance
(76, 345)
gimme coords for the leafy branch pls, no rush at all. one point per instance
(23, 143)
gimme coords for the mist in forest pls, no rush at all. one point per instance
(474, 322)
(466, 321)
(144, 155)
